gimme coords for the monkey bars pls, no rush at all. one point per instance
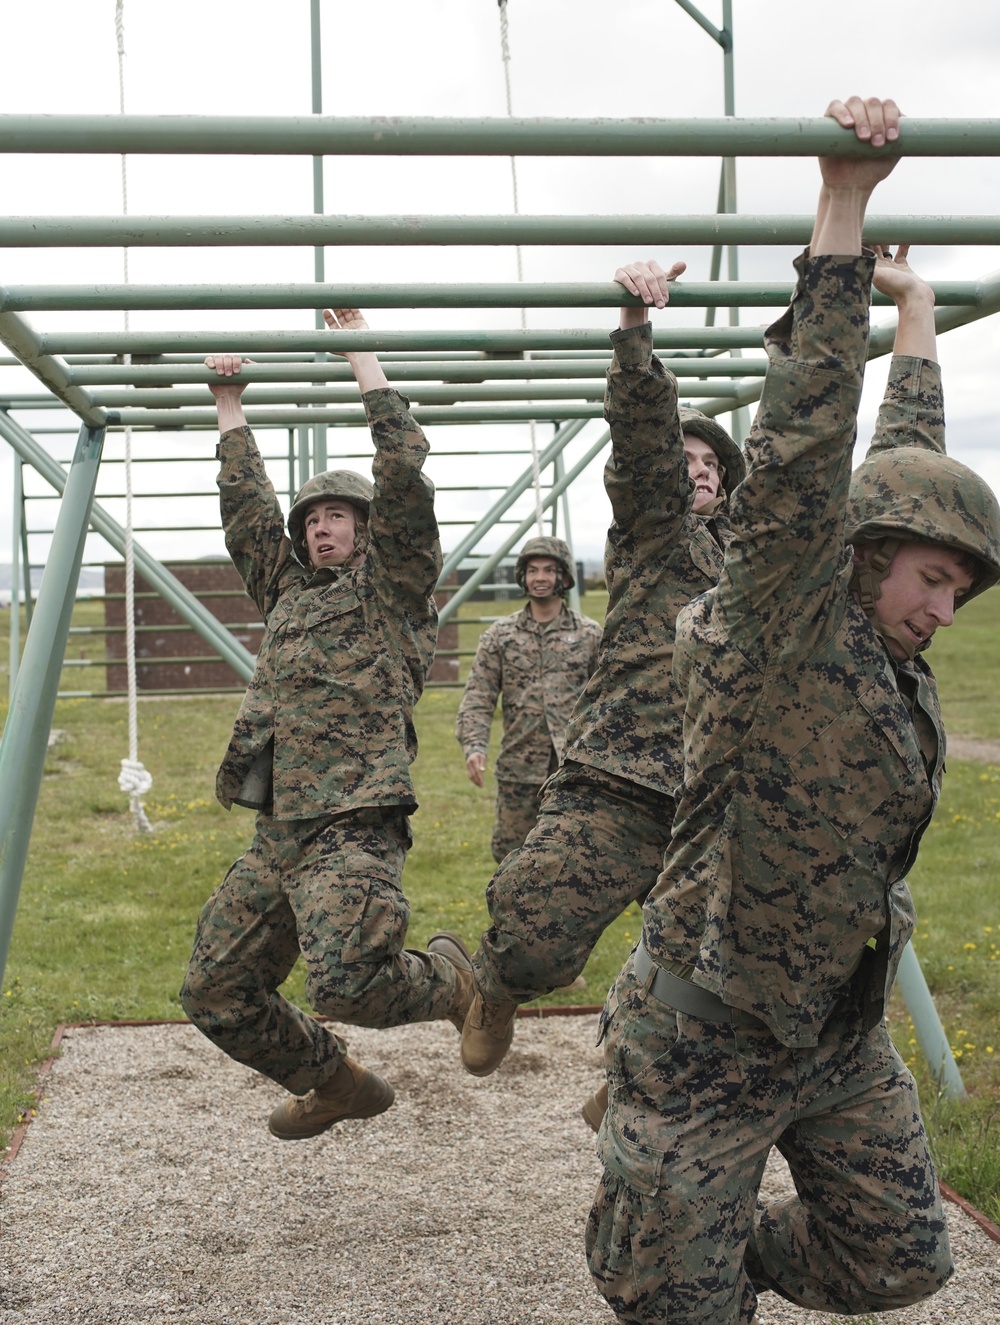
(456, 376)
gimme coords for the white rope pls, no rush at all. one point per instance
(505, 57)
(133, 779)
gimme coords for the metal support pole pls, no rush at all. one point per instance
(26, 734)
(319, 256)
(916, 995)
(484, 571)
(559, 473)
(521, 485)
(17, 516)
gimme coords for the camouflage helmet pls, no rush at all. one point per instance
(919, 496)
(714, 435)
(333, 485)
(546, 547)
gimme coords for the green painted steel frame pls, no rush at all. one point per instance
(22, 747)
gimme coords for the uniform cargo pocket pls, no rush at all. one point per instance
(636, 1166)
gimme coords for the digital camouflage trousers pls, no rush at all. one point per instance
(677, 1231)
(329, 889)
(597, 846)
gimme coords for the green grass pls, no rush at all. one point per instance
(106, 917)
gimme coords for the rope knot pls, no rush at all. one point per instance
(134, 780)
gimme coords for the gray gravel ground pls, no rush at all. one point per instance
(148, 1190)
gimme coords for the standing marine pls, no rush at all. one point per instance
(538, 662)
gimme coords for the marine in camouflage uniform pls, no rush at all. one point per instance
(605, 816)
(321, 748)
(538, 661)
(750, 1015)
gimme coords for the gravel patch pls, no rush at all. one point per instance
(149, 1190)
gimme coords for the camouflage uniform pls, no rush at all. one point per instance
(807, 786)
(604, 818)
(322, 747)
(539, 668)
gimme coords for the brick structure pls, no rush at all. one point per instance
(163, 656)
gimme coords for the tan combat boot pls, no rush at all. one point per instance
(486, 1036)
(352, 1092)
(453, 950)
(595, 1108)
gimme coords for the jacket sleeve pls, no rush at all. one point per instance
(252, 519)
(646, 477)
(479, 701)
(405, 547)
(783, 591)
(912, 409)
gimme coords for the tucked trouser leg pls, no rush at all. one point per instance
(867, 1232)
(245, 947)
(352, 919)
(329, 889)
(591, 852)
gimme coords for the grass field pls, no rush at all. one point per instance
(106, 917)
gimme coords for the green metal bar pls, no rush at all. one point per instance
(167, 586)
(428, 394)
(27, 346)
(454, 559)
(515, 136)
(25, 737)
(499, 341)
(881, 340)
(487, 568)
(518, 370)
(278, 416)
(690, 294)
(426, 230)
(17, 523)
(702, 21)
(912, 985)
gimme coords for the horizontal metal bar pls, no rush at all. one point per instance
(321, 135)
(291, 417)
(297, 394)
(518, 370)
(412, 231)
(514, 294)
(24, 342)
(207, 342)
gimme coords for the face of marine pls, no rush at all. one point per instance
(542, 578)
(704, 468)
(330, 530)
(924, 585)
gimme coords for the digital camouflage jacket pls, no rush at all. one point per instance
(539, 668)
(807, 782)
(658, 556)
(329, 708)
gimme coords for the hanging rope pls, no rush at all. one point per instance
(505, 57)
(133, 779)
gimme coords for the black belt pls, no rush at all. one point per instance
(683, 996)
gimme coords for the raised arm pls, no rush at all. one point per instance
(367, 370)
(646, 477)
(779, 590)
(912, 409)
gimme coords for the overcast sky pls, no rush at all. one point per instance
(394, 57)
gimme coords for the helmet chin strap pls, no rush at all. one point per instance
(866, 582)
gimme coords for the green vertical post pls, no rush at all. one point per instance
(559, 475)
(15, 571)
(319, 254)
(26, 733)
